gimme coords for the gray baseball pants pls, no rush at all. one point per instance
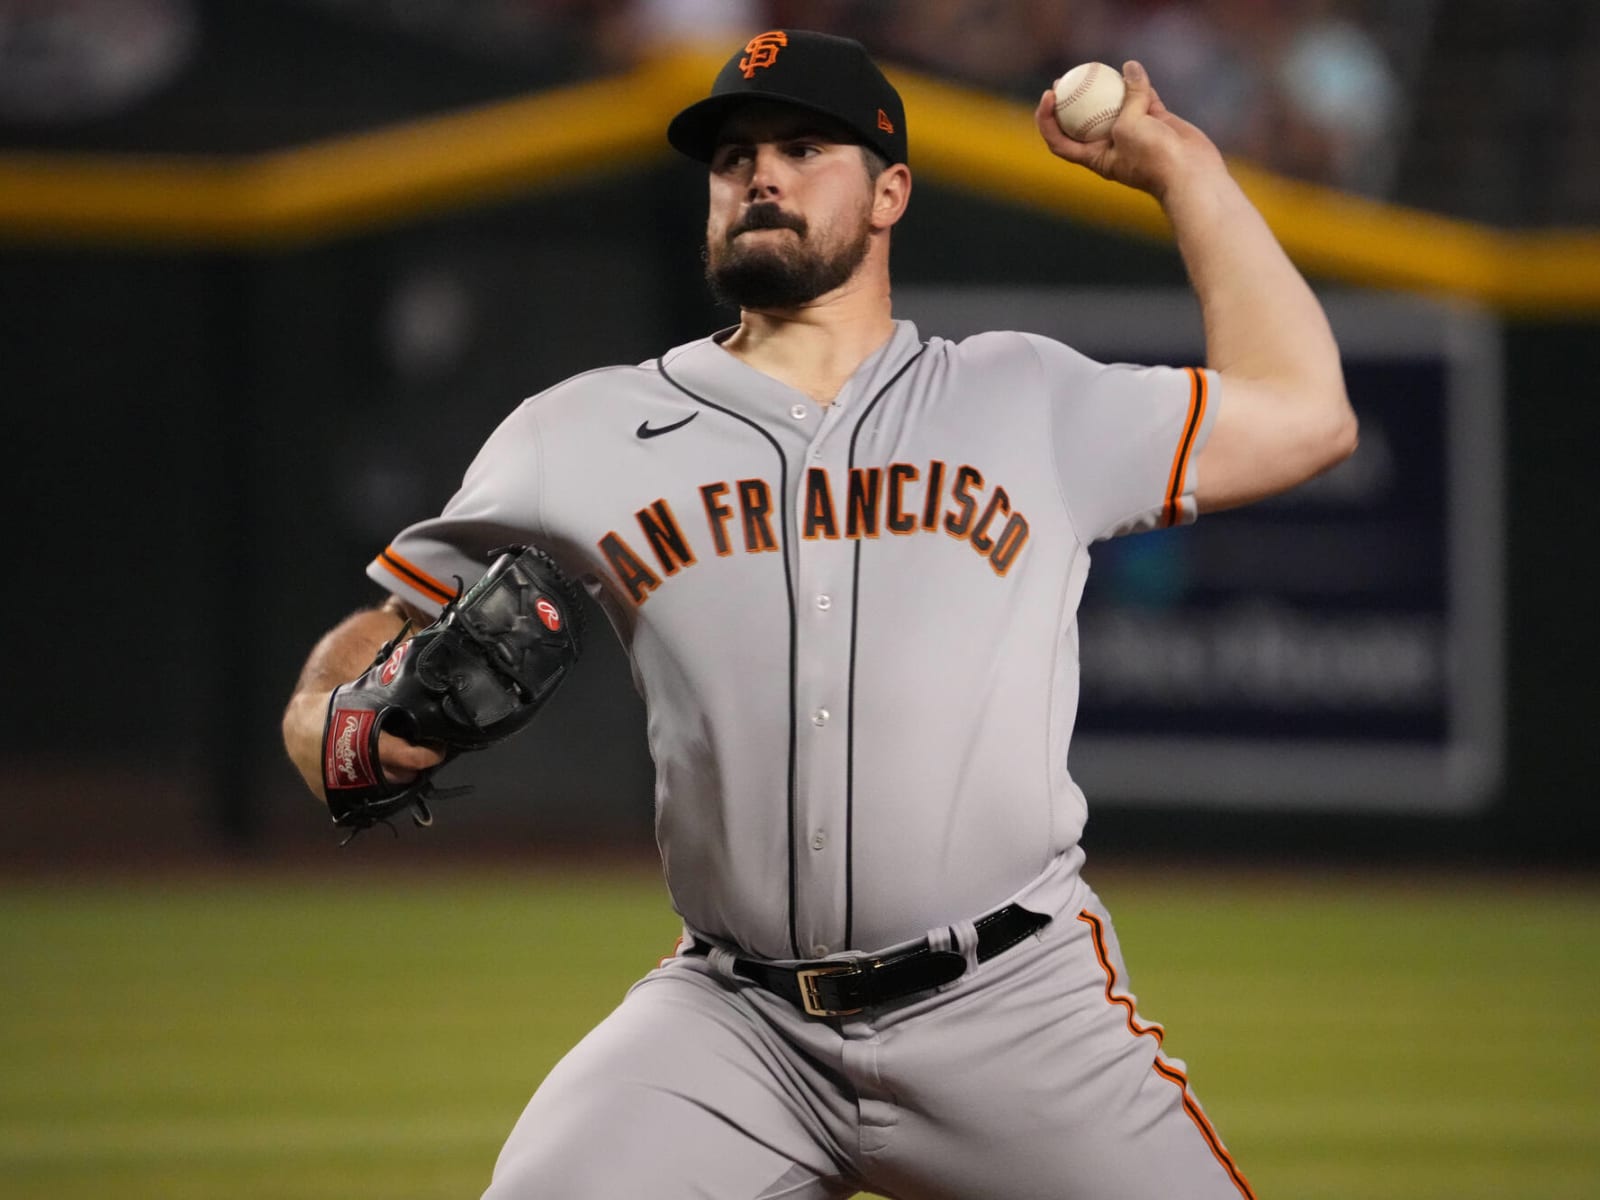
(1029, 1078)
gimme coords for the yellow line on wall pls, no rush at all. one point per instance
(960, 139)
(990, 146)
(343, 185)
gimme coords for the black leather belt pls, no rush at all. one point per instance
(839, 987)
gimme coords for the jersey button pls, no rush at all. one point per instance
(798, 412)
(819, 949)
(819, 840)
(824, 602)
(820, 717)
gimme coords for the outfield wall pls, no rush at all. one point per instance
(223, 416)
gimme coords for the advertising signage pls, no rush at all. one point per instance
(1339, 647)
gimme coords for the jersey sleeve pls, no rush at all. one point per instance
(496, 505)
(1125, 438)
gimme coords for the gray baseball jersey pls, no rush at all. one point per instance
(853, 626)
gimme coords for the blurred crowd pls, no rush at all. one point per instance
(1308, 87)
(1313, 88)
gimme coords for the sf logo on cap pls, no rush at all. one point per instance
(762, 51)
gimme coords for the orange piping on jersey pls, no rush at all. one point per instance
(414, 576)
(1173, 508)
(1163, 1068)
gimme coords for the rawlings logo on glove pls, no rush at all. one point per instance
(348, 764)
(471, 679)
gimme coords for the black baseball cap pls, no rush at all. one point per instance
(816, 71)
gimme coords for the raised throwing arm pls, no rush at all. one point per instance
(1284, 415)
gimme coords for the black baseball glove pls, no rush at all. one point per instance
(471, 679)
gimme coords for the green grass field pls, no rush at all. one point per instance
(348, 1035)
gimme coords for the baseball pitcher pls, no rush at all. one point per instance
(845, 561)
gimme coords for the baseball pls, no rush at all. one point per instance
(1088, 99)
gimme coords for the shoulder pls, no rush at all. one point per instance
(621, 381)
(1009, 364)
(596, 385)
(1010, 347)
(689, 351)
(589, 391)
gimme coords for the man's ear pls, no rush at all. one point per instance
(891, 192)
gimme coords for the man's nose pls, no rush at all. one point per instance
(765, 175)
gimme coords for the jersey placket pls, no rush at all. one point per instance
(823, 646)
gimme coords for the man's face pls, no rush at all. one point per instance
(790, 208)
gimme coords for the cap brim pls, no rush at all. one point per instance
(694, 130)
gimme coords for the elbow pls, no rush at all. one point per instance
(1334, 434)
(1344, 437)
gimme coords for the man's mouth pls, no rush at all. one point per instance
(767, 216)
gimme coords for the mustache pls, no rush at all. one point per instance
(767, 215)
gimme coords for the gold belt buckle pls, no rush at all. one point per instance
(808, 990)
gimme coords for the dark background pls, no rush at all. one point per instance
(207, 446)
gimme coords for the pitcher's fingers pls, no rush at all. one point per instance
(402, 757)
(1140, 96)
(1060, 144)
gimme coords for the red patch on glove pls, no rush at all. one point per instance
(346, 761)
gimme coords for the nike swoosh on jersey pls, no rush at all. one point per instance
(645, 431)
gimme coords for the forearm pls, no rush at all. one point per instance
(1262, 322)
(348, 648)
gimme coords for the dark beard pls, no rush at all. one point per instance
(778, 277)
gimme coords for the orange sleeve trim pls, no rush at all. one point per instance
(1172, 509)
(1191, 1106)
(414, 576)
